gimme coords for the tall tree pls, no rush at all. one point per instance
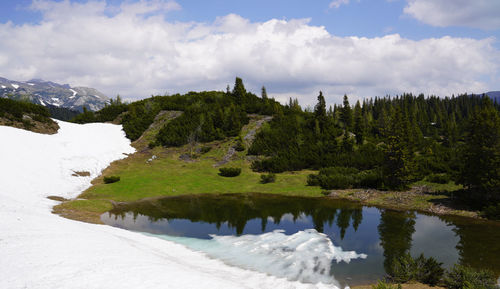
(396, 166)
(320, 112)
(481, 170)
(359, 124)
(264, 93)
(346, 114)
(239, 91)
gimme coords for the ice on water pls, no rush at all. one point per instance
(305, 256)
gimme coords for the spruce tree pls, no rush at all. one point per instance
(396, 166)
(239, 91)
(358, 124)
(481, 170)
(346, 114)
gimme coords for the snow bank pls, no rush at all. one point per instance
(42, 250)
(305, 256)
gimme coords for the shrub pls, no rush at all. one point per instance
(425, 270)
(492, 212)
(466, 277)
(267, 178)
(438, 178)
(384, 285)
(229, 172)
(239, 147)
(345, 178)
(205, 149)
(111, 179)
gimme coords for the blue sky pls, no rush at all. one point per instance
(364, 18)
(396, 30)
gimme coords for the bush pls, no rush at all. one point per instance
(438, 178)
(466, 277)
(229, 172)
(267, 178)
(492, 212)
(427, 271)
(239, 147)
(345, 178)
(205, 149)
(384, 285)
(111, 179)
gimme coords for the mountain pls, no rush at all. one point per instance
(50, 93)
(494, 95)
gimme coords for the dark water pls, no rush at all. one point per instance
(381, 234)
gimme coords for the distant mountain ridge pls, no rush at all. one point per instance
(494, 95)
(48, 93)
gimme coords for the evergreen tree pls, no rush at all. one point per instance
(396, 166)
(320, 112)
(346, 114)
(359, 125)
(264, 93)
(481, 170)
(239, 91)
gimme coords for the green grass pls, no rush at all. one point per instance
(169, 176)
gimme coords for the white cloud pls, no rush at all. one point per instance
(482, 14)
(137, 55)
(337, 3)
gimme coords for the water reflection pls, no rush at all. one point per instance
(381, 234)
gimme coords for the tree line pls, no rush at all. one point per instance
(382, 142)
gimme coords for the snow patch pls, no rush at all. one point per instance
(55, 99)
(74, 93)
(305, 256)
(43, 250)
(15, 85)
(28, 83)
(43, 103)
(3, 86)
(96, 96)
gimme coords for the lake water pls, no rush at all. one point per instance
(309, 239)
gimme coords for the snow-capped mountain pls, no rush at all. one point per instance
(49, 93)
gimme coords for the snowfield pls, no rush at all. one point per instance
(41, 250)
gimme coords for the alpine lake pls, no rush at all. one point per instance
(381, 234)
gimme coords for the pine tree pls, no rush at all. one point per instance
(346, 114)
(396, 166)
(239, 91)
(264, 93)
(359, 124)
(320, 112)
(481, 170)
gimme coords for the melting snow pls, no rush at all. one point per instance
(15, 85)
(43, 250)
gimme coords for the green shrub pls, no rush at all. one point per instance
(345, 178)
(492, 212)
(205, 149)
(438, 178)
(384, 285)
(229, 172)
(424, 270)
(111, 179)
(267, 178)
(460, 277)
(239, 147)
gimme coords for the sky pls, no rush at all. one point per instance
(295, 48)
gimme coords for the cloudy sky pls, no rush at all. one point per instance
(295, 48)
